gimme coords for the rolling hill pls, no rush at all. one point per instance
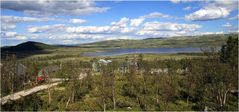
(187, 41)
(28, 46)
(26, 49)
(32, 48)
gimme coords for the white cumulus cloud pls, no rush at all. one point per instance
(175, 1)
(53, 7)
(214, 10)
(123, 22)
(168, 26)
(227, 25)
(45, 28)
(178, 1)
(18, 19)
(136, 22)
(210, 33)
(157, 15)
(12, 36)
(88, 29)
(7, 26)
(187, 8)
(208, 13)
(9, 22)
(234, 18)
(166, 29)
(77, 21)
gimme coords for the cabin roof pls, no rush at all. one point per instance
(104, 61)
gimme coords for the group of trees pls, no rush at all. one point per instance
(13, 81)
(208, 83)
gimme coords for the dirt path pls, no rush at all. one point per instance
(23, 93)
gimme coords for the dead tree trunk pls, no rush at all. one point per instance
(114, 98)
(104, 107)
(49, 91)
(49, 96)
(157, 95)
(187, 100)
(157, 87)
(68, 101)
(222, 97)
(73, 95)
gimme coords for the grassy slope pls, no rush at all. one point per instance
(195, 41)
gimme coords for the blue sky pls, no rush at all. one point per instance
(75, 22)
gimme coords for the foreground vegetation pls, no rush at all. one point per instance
(208, 81)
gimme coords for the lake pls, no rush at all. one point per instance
(122, 51)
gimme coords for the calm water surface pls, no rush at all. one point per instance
(121, 51)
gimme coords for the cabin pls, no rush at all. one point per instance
(125, 66)
(51, 69)
(97, 65)
(105, 62)
(45, 72)
(134, 64)
(20, 69)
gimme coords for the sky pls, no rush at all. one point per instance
(83, 21)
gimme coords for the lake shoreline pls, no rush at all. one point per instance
(127, 51)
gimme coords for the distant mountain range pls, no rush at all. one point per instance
(187, 41)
